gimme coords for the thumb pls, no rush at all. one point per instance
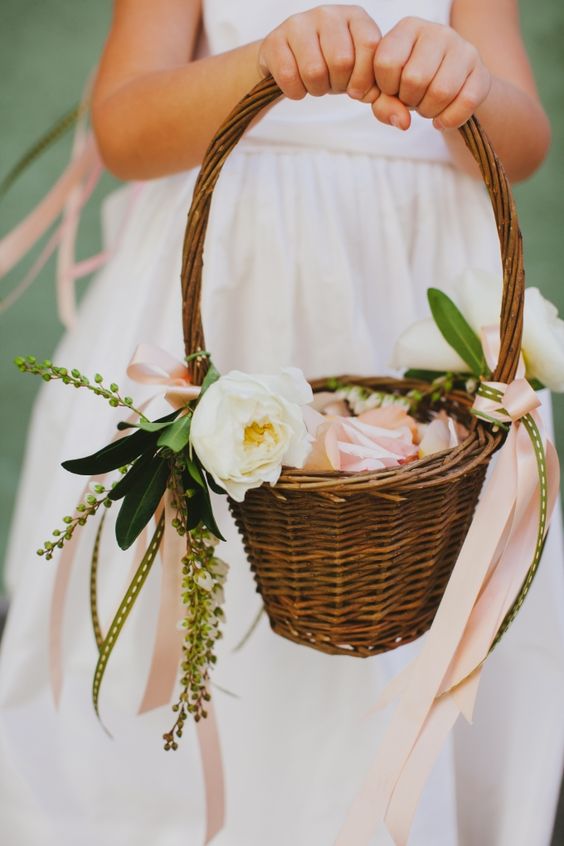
(391, 111)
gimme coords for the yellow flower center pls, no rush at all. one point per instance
(256, 433)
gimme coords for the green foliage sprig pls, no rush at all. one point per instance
(50, 372)
(85, 509)
(152, 456)
(203, 577)
(360, 398)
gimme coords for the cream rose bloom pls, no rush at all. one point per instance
(422, 347)
(246, 427)
(477, 293)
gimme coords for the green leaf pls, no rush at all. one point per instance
(117, 453)
(158, 425)
(208, 518)
(195, 510)
(140, 502)
(213, 484)
(193, 466)
(536, 385)
(424, 375)
(177, 434)
(114, 455)
(211, 376)
(150, 425)
(456, 331)
(200, 508)
(132, 477)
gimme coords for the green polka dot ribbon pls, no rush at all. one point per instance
(489, 392)
(106, 645)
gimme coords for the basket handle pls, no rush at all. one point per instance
(227, 136)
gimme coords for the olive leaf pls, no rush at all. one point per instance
(456, 331)
(213, 484)
(199, 506)
(141, 501)
(134, 476)
(177, 434)
(193, 465)
(117, 453)
(423, 375)
(211, 376)
(114, 455)
(150, 425)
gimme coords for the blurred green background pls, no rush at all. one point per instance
(48, 47)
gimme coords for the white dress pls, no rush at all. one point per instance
(326, 230)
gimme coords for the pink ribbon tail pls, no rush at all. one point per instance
(167, 649)
(442, 682)
(212, 766)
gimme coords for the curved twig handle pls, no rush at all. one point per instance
(266, 92)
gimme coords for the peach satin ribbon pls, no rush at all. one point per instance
(501, 551)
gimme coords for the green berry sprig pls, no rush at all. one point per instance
(178, 498)
(203, 577)
(84, 510)
(49, 372)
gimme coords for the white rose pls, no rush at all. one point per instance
(422, 347)
(543, 341)
(478, 294)
(246, 427)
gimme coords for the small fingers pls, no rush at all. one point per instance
(392, 54)
(366, 36)
(472, 94)
(339, 54)
(305, 45)
(276, 57)
(445, 86)
(391, 111)
(420, 69)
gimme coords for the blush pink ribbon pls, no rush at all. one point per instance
(500, 554)
(151, 365)
(66, 199)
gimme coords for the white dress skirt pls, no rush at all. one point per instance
(326, 230)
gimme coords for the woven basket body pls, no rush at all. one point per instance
(357, 563)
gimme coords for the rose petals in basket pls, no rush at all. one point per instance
(352, 445)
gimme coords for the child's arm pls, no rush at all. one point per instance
(155, 111)
(512, 112)
(479, 65)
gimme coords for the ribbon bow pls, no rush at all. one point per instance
(491, 577)
(151, 365)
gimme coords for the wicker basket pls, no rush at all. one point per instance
(357, 564)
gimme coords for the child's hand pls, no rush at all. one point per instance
(432, 70)
(329, 49)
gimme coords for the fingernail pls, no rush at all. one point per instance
(395, 121)
(438, 124)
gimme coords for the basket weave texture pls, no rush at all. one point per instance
(357, 563)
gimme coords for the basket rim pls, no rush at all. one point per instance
(450, 463)
(458, 460)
